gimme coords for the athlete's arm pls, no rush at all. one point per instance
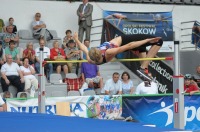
(82, 47)
(131, 45)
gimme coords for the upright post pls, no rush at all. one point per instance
(41, 92)
(178, 91)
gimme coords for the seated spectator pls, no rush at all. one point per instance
(39, 29)
(28, 72)
(197, 76)
(87, 44)
(90, 74)
(46, 56)
(10, 36)
(23, 95)
(3, 104)
(113, 86)
(127, 84)
(2, 55)
(147, 87)
(2, 26)
(29, 53)
(6, 94)
(67, 38)
(11, 21)
(189, 86)
(57, 53)
(72, 53)
(11, 75)
(13, 51)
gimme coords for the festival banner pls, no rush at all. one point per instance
(196, 34)
(158, 110)
(101, 107)
(153, 23)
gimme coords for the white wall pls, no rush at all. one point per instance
(62, 15)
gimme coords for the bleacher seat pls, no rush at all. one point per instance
(89, 92)
(12, 90)
(56, 87)
(158, 1)
(147, 1)
(55, 78)
(20, 52)
(25, 34)
(35, 45)
(22, 45)
(136, 0)
(73, 93)
(71, 75)
(19, 94)
(188, 1)
(58, 94)
(46, 82)
(196, 2)
(97, 91)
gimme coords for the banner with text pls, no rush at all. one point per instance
(101, 107)
(153, 23)
(158, 110)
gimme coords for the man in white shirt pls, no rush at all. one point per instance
(147, 87)
(11, 74)
(113, 86)
(2, 103)
(46, 55)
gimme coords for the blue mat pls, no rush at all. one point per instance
(23, 122)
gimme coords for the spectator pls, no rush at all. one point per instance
(6, 94)
(29, 53)
(28, 72)
(11, 74)
(2, 55)
(197, 76)
(39, 29)
(127, 84)
(72, 53)
(84, 13)
(3, 104)
(87, 44)
(46, 56)
(13, 51)
(147, 87)
(9, 35)
(23, 95)
(90, 74)
(189, 86)
(2, 26)
(57, 53)
(11, 21)
(67, 38)
(113, 86)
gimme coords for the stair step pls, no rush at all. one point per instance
(114, 67)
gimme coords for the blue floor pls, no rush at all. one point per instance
(22, 122)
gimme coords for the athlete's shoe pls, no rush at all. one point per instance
(144, 73)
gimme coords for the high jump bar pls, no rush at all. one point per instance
(114, 60)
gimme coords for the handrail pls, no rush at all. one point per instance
(185, 28)
(97, 26)
(188, 22)
(94, 33)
